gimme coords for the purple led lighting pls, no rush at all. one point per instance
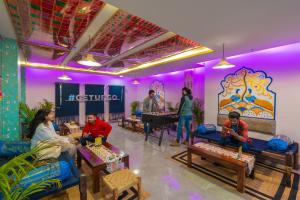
(171, 182)
(194, 196)
(174, 73)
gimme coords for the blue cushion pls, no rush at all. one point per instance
(14, 148)
(56, 170)
(55, 126)
(204, 129)
(70, 182)
(138, 113)
(276, 144)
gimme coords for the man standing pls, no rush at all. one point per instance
(235, 131)
(95, 128)
(150, 105)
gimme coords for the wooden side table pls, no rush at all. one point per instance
(122, 180)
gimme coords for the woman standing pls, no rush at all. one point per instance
(185, 116)
(42, 130)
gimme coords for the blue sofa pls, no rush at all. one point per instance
(74, 180)
(259, 148)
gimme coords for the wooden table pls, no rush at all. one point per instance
(133, 122)
(97, 164)
(237, 165)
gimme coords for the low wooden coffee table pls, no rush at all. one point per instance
(134, 124)
(96, 163)
(229, 162)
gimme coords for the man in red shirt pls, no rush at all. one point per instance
(95, 128)
(235, 131)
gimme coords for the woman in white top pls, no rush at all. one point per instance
(41, 129)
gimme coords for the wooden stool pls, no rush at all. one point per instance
(122, 180)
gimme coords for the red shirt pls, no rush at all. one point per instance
(99, 128)
(242, 129)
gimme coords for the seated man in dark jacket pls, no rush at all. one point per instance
(95, 128)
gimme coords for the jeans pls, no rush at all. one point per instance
(148, 128)
(186, 121)
(90, 138)
(234, 142)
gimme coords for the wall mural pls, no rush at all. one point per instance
(188, 79)
(247, 91)
(159, 89)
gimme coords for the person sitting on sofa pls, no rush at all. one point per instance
(235, 131)
(41, 129)
(95, 128)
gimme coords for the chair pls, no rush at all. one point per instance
(122, 180)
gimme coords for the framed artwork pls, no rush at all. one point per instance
(247, 91)
(159, 89)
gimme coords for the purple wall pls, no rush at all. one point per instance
(283, 65)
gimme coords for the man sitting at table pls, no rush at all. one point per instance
(95, 128)
(235, 132)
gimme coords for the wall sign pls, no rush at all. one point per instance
(117, 104)
(247, 91)
(159, 90)
(93, 98)
(64, 93)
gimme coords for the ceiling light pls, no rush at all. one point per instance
(136, 82)
(121, 76)
(65, 78)
(89, 60)
(223, 64)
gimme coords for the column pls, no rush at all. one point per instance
(9, 105)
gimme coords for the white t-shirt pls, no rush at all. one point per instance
(46, 132)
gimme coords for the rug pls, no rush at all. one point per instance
(73, 193)
(268, 183)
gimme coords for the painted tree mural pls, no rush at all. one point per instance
(247, 91)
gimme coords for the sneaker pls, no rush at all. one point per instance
(185, 142)
(175, 144)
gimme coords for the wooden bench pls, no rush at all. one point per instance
(231, 163)
(289, 158)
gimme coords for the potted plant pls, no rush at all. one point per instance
(27, 114)
(45, 104)
(170, 107)
(134, 106)
(12, 172)
(197, 112)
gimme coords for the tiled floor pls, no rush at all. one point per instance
(161, 177)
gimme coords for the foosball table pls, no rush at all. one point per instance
(163, 121)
